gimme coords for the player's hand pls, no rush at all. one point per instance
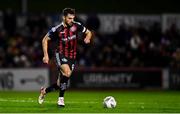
(87, 41)
(46, 59)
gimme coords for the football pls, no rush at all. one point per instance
(109, 102)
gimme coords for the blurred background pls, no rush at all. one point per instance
(136, 44)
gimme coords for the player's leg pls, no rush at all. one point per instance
(56, 85)
(44, 91)
(52, 87)
(66, 73)
(42, 95)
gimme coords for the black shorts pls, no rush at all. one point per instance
(61, 59)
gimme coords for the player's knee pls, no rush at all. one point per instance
(67, 73)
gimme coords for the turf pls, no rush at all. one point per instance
(91, 102)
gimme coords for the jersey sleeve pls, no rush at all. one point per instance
(52, 33)
(81, 28)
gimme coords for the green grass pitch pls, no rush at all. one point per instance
(91, 102)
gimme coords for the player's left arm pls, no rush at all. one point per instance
(88, 36)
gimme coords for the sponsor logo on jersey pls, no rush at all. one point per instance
(69, 38)
(64, 59)
(73, 28)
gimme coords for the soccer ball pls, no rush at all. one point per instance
(109, 102)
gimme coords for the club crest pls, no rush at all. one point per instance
(73, 28)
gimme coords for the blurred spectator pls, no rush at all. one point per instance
(135, 41)
(176, 56)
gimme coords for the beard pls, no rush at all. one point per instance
(69, 24)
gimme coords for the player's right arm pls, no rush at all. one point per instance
(45, 48)
(51, 35)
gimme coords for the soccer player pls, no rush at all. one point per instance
(65, 36)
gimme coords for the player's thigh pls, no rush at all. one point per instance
(65, 70)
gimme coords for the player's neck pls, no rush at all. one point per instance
(65, 25)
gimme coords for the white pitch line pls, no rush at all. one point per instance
(30, 100)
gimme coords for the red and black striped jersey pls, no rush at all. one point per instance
(66, 38)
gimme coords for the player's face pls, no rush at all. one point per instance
(69, 19)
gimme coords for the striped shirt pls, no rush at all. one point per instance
(66, 38)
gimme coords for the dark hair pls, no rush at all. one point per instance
(67, 11)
